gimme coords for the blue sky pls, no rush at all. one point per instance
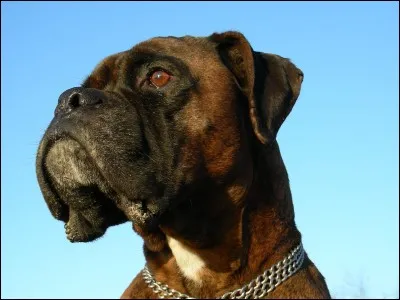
(340, 143)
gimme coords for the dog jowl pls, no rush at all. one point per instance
(178, 136)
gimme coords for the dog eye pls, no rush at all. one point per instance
(159, 78)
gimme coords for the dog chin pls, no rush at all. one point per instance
(144, 213)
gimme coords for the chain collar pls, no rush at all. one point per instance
(255, 289)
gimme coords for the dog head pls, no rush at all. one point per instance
(154, 125)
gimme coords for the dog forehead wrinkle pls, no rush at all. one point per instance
(177, 47)
(189, 263)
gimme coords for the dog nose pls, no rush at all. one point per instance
(77, 98)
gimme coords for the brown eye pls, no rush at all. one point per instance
(160, 78)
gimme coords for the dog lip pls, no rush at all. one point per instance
(139, 210)
(57, 207)
(51, 138)
(61, 137)
(57, 136)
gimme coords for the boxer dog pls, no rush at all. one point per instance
(178, 136)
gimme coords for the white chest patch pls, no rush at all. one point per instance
(189, 263)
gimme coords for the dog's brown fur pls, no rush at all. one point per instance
(252, 217)
(235, 211)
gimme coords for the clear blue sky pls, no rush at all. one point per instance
(340, 143)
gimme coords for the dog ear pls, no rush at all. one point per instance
(270, 83)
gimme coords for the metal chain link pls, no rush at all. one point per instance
(255, 289)
(161, 289)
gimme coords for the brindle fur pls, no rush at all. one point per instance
(196, 160)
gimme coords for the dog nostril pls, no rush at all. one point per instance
(78, 98)
(74, 100)
(81, 100)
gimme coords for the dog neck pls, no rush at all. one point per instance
(220, 242)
